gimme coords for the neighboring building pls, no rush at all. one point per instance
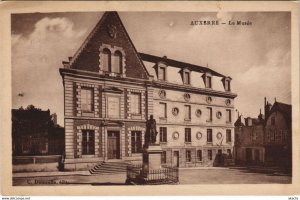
(278, 135)
(111, 90)
(34, 133)
(249, 140)
(267, 139)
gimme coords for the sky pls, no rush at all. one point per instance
(256, 57)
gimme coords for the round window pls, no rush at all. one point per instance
(175, 135)
(198, 135)
(162, 94)
(228, 102)
(187, 96)
(208, 100)
(219, 114)
(198, 113)
(219, 135)
(175, 111)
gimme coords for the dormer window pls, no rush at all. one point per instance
(117, 62)
(186, 76)
(162, 73)
(106, 60)
(207, 80)
(226, 83)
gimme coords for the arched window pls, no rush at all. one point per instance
(117, 62)
(106, 60)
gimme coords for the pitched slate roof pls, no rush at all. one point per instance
(285, 109)
(178, 64)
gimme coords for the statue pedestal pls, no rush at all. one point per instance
(152, 157)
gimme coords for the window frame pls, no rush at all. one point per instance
(164, 157)
(228, 136)
(133, 104)
(162, 77)
(91, 102)
(187, 116)
(188, 155)
(187, 135)
(86, 149)
(201, 157)
(136, 145)
(228, 116)
(165, 110)
(163, 134)
(209, 154)
(209, 133)
(210, 114)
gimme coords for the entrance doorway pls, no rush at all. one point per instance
(113, 145)
(248, 155)
(176, 158)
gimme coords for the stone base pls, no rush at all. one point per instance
(152, 158)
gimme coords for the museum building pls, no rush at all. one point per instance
(110, 91)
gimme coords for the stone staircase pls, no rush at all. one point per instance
(110, 167)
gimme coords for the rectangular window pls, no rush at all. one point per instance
(188, 135)
(164, 157)
(135, 103)
(88, 142)
(209, 114)
(163, 134)
(227, 85)
(208, 81)
(87, 99)
(209, 154)
(162, 73)
(209, 135)
(163, 110)
(187, 115)
(113, 107)
(188, 156)
(228, 115)
(228, 135)
(186, 78)
(199, 155)
(136, 141)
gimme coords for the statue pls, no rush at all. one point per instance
(150, 137)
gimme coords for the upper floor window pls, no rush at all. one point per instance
(188, 137)
(209, 135)
(113, 107)
(88, 142)
(162, 73)
(187, 109)
(208, 82)
(228, 135)
(136, 141)
(163, 110)
(163, 134)
(227, 85)
(209, 114)
(87, 99)
(135, 101)
(106, 60)
(117, 62)
(228, 116)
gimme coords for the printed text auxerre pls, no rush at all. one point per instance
(217, 22)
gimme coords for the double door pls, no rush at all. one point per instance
(113, 145)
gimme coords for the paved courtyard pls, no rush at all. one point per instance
(237, 175)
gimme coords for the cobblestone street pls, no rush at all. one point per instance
(240, 175)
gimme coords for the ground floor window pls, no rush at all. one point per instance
(229, 153)
(188, 156)
(164, 157)
(209, 154)
(88, 142)
(136, 141)
(199, 155)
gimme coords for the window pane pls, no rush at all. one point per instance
(87, 99)
(163, 134)
(209, 135)
(163, 110)
(187, 112)
(88, 142)
(135, 104)
(106, 60)
(199, 155)
(164, 157)
(228, 115)
(162, 73)
(136, 141)
(209, 114)
(228, 135)
(186, 78)
(113, 107)
(208, 82)
(117, 62)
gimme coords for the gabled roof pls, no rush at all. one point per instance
(285, 109)
(178, 64)
(87, 56)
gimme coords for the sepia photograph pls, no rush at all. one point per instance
(131, 98)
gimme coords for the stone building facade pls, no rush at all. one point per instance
(110, 90)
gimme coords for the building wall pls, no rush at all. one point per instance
(198, 124)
